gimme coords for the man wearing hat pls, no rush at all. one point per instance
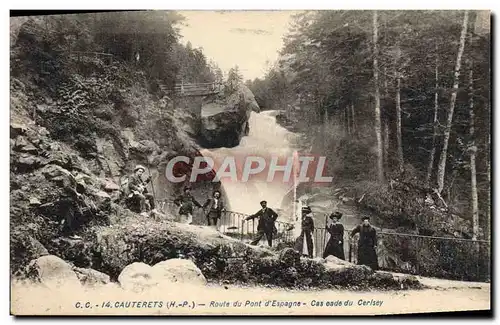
(335, 245)
(367, 244)
(215, 208)
(186, 202)
(267, 218)
(138, 190)
(307, 232)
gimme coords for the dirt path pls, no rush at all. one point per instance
(220, 300)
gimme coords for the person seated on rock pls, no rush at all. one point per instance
(186, 202)
(138, 192)
(215, 208)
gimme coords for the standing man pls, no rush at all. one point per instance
(367, 244)
(186, 202)
(215, 208)
(138, 191)
(306, 234)
(335, 245)
(267, 218)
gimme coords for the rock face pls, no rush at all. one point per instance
(224, 122)
(53, 272)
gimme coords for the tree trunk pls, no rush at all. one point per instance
(378, 131)
(434, 121)
(386, 147)
(353, 119)
(348, 122)
(472, 150)
(447, 131)
(398, 121)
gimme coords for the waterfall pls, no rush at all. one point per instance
(265, 138)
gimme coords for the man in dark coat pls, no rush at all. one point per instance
(215, 208)
(367, 244)
(307, 233)
(186, 202)
(138, 191)
(267, 218)
(335, 245)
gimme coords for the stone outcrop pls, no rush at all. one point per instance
(225, 121)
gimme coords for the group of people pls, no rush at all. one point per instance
(367, 242)
(214, 208)
(137, 197)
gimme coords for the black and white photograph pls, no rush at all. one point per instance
(250, 162)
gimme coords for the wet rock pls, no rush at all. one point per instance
(53, 272)
(182, 270)
(91, 277)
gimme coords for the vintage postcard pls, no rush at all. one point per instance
(332, 162)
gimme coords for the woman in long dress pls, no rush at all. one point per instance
(335, 245)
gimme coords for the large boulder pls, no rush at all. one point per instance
(53, 272)
(180, 270)
(91, 277)
(137, 277)
(225, 121)
(140, 276)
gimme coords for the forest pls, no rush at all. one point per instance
(400, 102)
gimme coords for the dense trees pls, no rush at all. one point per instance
(148, 40)
(343, 69)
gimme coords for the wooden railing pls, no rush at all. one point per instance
(197, 89)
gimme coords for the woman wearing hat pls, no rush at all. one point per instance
(335, 245)
(306, 234)
(367, 244)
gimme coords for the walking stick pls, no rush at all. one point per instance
(151, 179)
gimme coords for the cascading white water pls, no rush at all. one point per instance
(265, 138)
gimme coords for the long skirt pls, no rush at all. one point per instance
(367, 256)
(334, 247)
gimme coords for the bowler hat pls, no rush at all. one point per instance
(365, 218)
(262, 202)
(337, 215)
(306, 209)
